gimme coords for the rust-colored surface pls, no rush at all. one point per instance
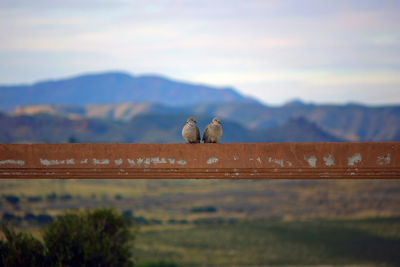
(223, 161)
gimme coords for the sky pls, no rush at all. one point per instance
(318, 51)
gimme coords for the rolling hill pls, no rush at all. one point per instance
(150, 128)
(347, 122)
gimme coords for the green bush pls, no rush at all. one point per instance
(66, 197)
(204, 209)
(43, 219)
(34, 199)
(93, 238)
(51, 197)
(20, 249)
(100, 237)
(12, 199)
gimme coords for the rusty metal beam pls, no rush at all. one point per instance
(222, 161)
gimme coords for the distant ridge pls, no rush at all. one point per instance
(114, 87)
(346, 122)
(146, 128)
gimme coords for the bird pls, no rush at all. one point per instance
(213, 131)
(190, 131)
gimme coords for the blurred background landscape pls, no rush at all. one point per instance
(95, 71)
(118, 107)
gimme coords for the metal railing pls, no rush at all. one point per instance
(206, 161)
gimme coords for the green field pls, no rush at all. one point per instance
(262, 242)
(231, 222)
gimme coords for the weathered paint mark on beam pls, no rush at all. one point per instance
(256, 160)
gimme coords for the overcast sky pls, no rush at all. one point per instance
(320, 51)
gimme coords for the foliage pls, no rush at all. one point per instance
(12, 199)
(94, 238)
(204, 209)
(20, 249)
(99, 237)
(51, 197)
(34, 199)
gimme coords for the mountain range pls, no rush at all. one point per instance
(149, 128)
(345, 122)
(111, 107)
(114, 87)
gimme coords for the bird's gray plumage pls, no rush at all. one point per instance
(213, 131)
(190, 131)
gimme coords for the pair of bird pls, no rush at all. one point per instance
(212, 132)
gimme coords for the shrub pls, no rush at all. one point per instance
(51, 197)
(128, 215)
(92, 238)
(30, 217)
(35, 199)
(12, 199)
(20, 249)
(100, 237)
(66, 197)
(204, 209)
(8, 216)
(44, 219)
(141, 220)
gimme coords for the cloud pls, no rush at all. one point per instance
(247, 44)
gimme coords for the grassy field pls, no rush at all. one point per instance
(231, 222)
(246, 199)
(365, 242)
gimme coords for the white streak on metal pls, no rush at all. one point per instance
(131, 162)
(259, 160)
(181, 162)
(235, 157)
(312, 161)
(147, 162)
(158, 160)
(171, 161)
(47, 162)
(329, 160)
(212, 160)
(280, 162)
(139, 161)
(118, 162)
(351, 161)
(289, 163)
(101, 161)
(85, 161)
(251, 159)
(12, 161)
(383, 160)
